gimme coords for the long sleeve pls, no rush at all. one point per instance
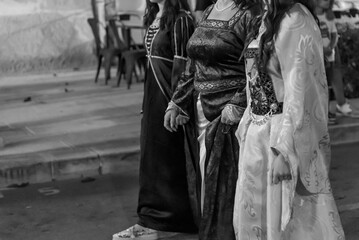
(302, 137)
(182, 31)
(183, 95)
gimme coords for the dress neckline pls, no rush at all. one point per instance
(208, 12)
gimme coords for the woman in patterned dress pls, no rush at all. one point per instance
(210, 100)
(163, 204)
(283, 190)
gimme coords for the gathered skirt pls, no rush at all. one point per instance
(259, 204)
(163, 198)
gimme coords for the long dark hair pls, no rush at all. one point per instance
(170, 12)
(275, 13)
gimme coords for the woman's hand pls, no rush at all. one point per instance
(182, 120)
(170, 122)
(280, 170)
(231, 115)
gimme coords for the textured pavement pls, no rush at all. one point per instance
(65, 126)
(61, 126)
(95, 208)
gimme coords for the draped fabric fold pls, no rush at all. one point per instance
(304, 207)
(213, 79)
(164, 202)
(220, 178)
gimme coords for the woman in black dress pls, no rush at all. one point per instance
(163, 204)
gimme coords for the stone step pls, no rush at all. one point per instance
(66, 163)
(89, 130)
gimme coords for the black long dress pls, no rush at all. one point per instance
(215, 71)
(163, 198)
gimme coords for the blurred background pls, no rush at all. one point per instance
(42, 35)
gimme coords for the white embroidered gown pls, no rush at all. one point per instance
(287, 113)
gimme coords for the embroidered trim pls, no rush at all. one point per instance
(251, 53)
(158, 57)
(214, 23)
(235, 18)
(175, 35)
(180, 57)
(150, 36)
(260, 119)
(206, 13)
(217, 85)
(149, 56)
(264, 102)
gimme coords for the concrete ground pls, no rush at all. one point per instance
(98, 207)
(63, 126)
(91, 209)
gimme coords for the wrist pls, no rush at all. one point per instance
(172, 109)
(171, 106)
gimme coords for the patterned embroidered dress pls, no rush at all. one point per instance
(215, 73)
(163, 198)
(287, 114)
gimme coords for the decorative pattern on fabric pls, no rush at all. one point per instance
(304, 207)
(214, 23)
(261, 89)
(151, 33)
(251, 53)
(218, 85)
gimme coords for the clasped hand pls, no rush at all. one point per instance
(280, 170)
(231, 115)
(173, 119)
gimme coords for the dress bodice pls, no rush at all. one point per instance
(169, 42)
(158, 42)
(216, 48)
(260, 85)
(150, 36)
(216, 67)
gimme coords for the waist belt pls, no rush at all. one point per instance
(274, 108)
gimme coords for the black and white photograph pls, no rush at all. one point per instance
(179, 119)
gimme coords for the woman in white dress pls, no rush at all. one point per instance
(283, 190)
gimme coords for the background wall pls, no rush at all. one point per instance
(44, 35)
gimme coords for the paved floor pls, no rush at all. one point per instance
(91, 209)
(66, 118)
(58, 112)
(64, 126)
(58, 126)
(95, 208)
